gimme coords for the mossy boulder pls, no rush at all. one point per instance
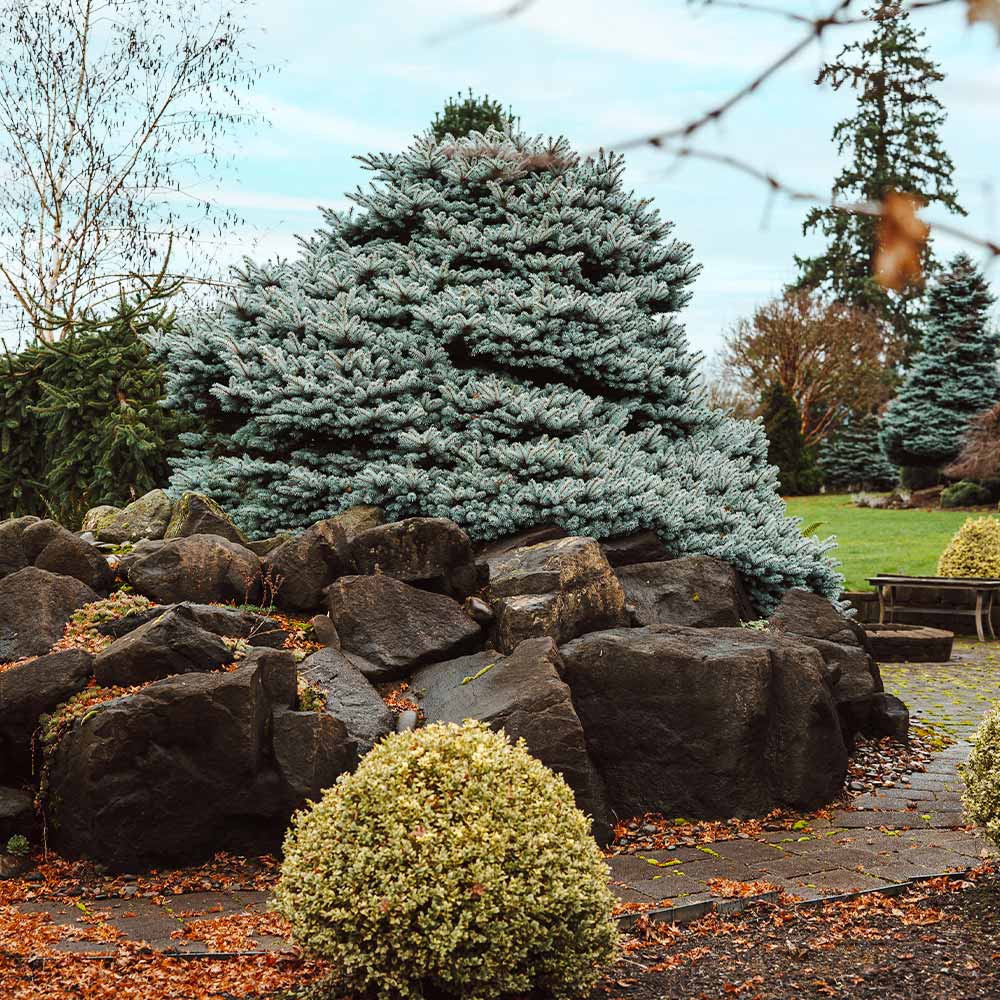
(147, 517)
(196, 514)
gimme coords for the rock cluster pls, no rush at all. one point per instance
(623, 670)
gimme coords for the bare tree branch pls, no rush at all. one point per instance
(778, 186)
(504, 14)
(107, 108)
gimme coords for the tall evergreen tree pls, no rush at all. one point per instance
(462, 115)
(492, 338)
(786, 447)
(893, 143)
(953, 378)
(853, 458)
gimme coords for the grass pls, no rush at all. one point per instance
(879, 541)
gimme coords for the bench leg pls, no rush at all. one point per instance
(989, 613)
(979, 615)
(881, 605)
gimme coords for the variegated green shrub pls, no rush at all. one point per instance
(451, 862)
(982, 777)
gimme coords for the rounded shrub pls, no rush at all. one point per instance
(982, 777)
(450, 863)
(965, 494)
(974, 551)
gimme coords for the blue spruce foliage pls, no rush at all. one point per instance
(852, 458)
(491, 337)
(954, 376)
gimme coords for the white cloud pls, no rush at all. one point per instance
(638, 29)
(307, 125)
(273, 201)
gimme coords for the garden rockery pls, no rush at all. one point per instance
(191, 719)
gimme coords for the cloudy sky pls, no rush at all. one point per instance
(360, 75)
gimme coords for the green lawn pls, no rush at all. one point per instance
(879, 541)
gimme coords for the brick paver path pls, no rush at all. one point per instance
(888, 837)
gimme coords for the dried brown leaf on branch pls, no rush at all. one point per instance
(987, 11)
(900, 237)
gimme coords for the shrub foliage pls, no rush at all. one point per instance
(982, 777)
(965, 494)
(853, 458)
(450, 862)
(974, 551)
(80, 419)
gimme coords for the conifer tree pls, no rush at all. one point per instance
(80, 420)
(492, 338)
(853, 458)
(786, 447)
(462, 115)
(893, 144)
(952, 379)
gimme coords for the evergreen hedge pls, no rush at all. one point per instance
(80, 419)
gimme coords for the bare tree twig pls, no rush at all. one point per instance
(778, 186)
(504, 14)
(815, 29)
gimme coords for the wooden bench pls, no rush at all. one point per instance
(984, 591)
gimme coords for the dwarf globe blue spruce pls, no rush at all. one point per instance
(491, 336)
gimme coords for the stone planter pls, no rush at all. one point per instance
(898, 643)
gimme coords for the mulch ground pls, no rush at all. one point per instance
(940, 941)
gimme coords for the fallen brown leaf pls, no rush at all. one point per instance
(900, 239)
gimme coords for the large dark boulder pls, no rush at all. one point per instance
(397, 627)
(349, 697)
(706, 722)
(185, 768)
(560, 589)
(28, 692)
(858, 691)
(34, 608)
(36, 536)
(429, 551)
(12, 556)
(278, 674)
(198, 568)
(196, 514)
(522, 694)
(487, 551)
(299, 570)
(698, 591)
(69, 555)
(639, 547)
(311, 750)
(801, 612)
(233, 623)
(123, 563)
(171, 644)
